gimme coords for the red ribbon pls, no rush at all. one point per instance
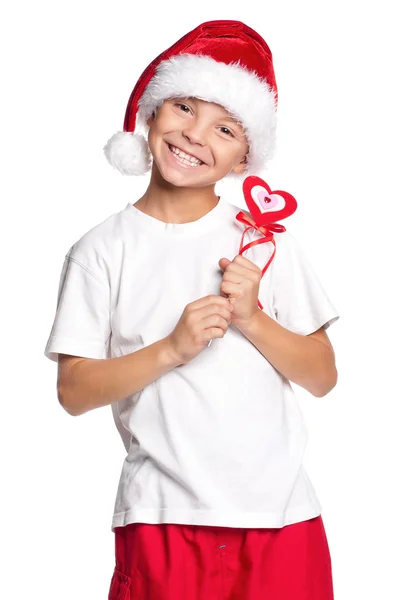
(267, 230)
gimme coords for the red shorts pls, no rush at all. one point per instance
(195, 562)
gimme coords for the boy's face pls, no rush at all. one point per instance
(204, 130)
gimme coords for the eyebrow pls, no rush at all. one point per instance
(230, 119)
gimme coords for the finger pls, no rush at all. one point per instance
(242, 273)
(211, 299)
(240, 260)
(234, 290)
(233, 277)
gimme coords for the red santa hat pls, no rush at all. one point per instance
(225, 62)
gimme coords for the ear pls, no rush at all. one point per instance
(241, 166)
(151, 119)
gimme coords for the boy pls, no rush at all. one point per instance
(213, 500)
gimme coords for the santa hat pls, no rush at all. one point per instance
(225, 62)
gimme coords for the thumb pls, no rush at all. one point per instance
(223, 263)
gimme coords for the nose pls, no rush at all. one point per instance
(195, 132)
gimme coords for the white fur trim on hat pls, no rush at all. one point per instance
(128, 153)
(248, 98)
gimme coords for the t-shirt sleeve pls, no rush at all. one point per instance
(300, 302)
(81, 324)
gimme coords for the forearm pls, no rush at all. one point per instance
(95, 383)
(303, 360)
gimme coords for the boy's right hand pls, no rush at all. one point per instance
(200, 322)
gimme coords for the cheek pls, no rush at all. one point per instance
(154, 134)
(160, 126)
(231, 156)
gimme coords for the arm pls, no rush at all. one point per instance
(307, 360)
(84, 383)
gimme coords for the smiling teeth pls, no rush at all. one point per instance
(187, 159)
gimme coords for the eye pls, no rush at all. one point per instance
(227, 131)
(184, 105)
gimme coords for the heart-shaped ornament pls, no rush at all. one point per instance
(266, 206)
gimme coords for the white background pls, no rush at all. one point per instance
(68, 71)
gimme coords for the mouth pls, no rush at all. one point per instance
(183, 159)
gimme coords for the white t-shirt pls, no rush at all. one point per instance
(220, 440)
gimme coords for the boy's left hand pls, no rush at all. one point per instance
(241, 282)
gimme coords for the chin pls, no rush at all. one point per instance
(171, 176)
(183, 182)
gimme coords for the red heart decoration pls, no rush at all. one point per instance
(266, 206)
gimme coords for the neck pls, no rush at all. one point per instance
(171, 204)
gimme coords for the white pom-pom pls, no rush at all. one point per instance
(128, 153)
